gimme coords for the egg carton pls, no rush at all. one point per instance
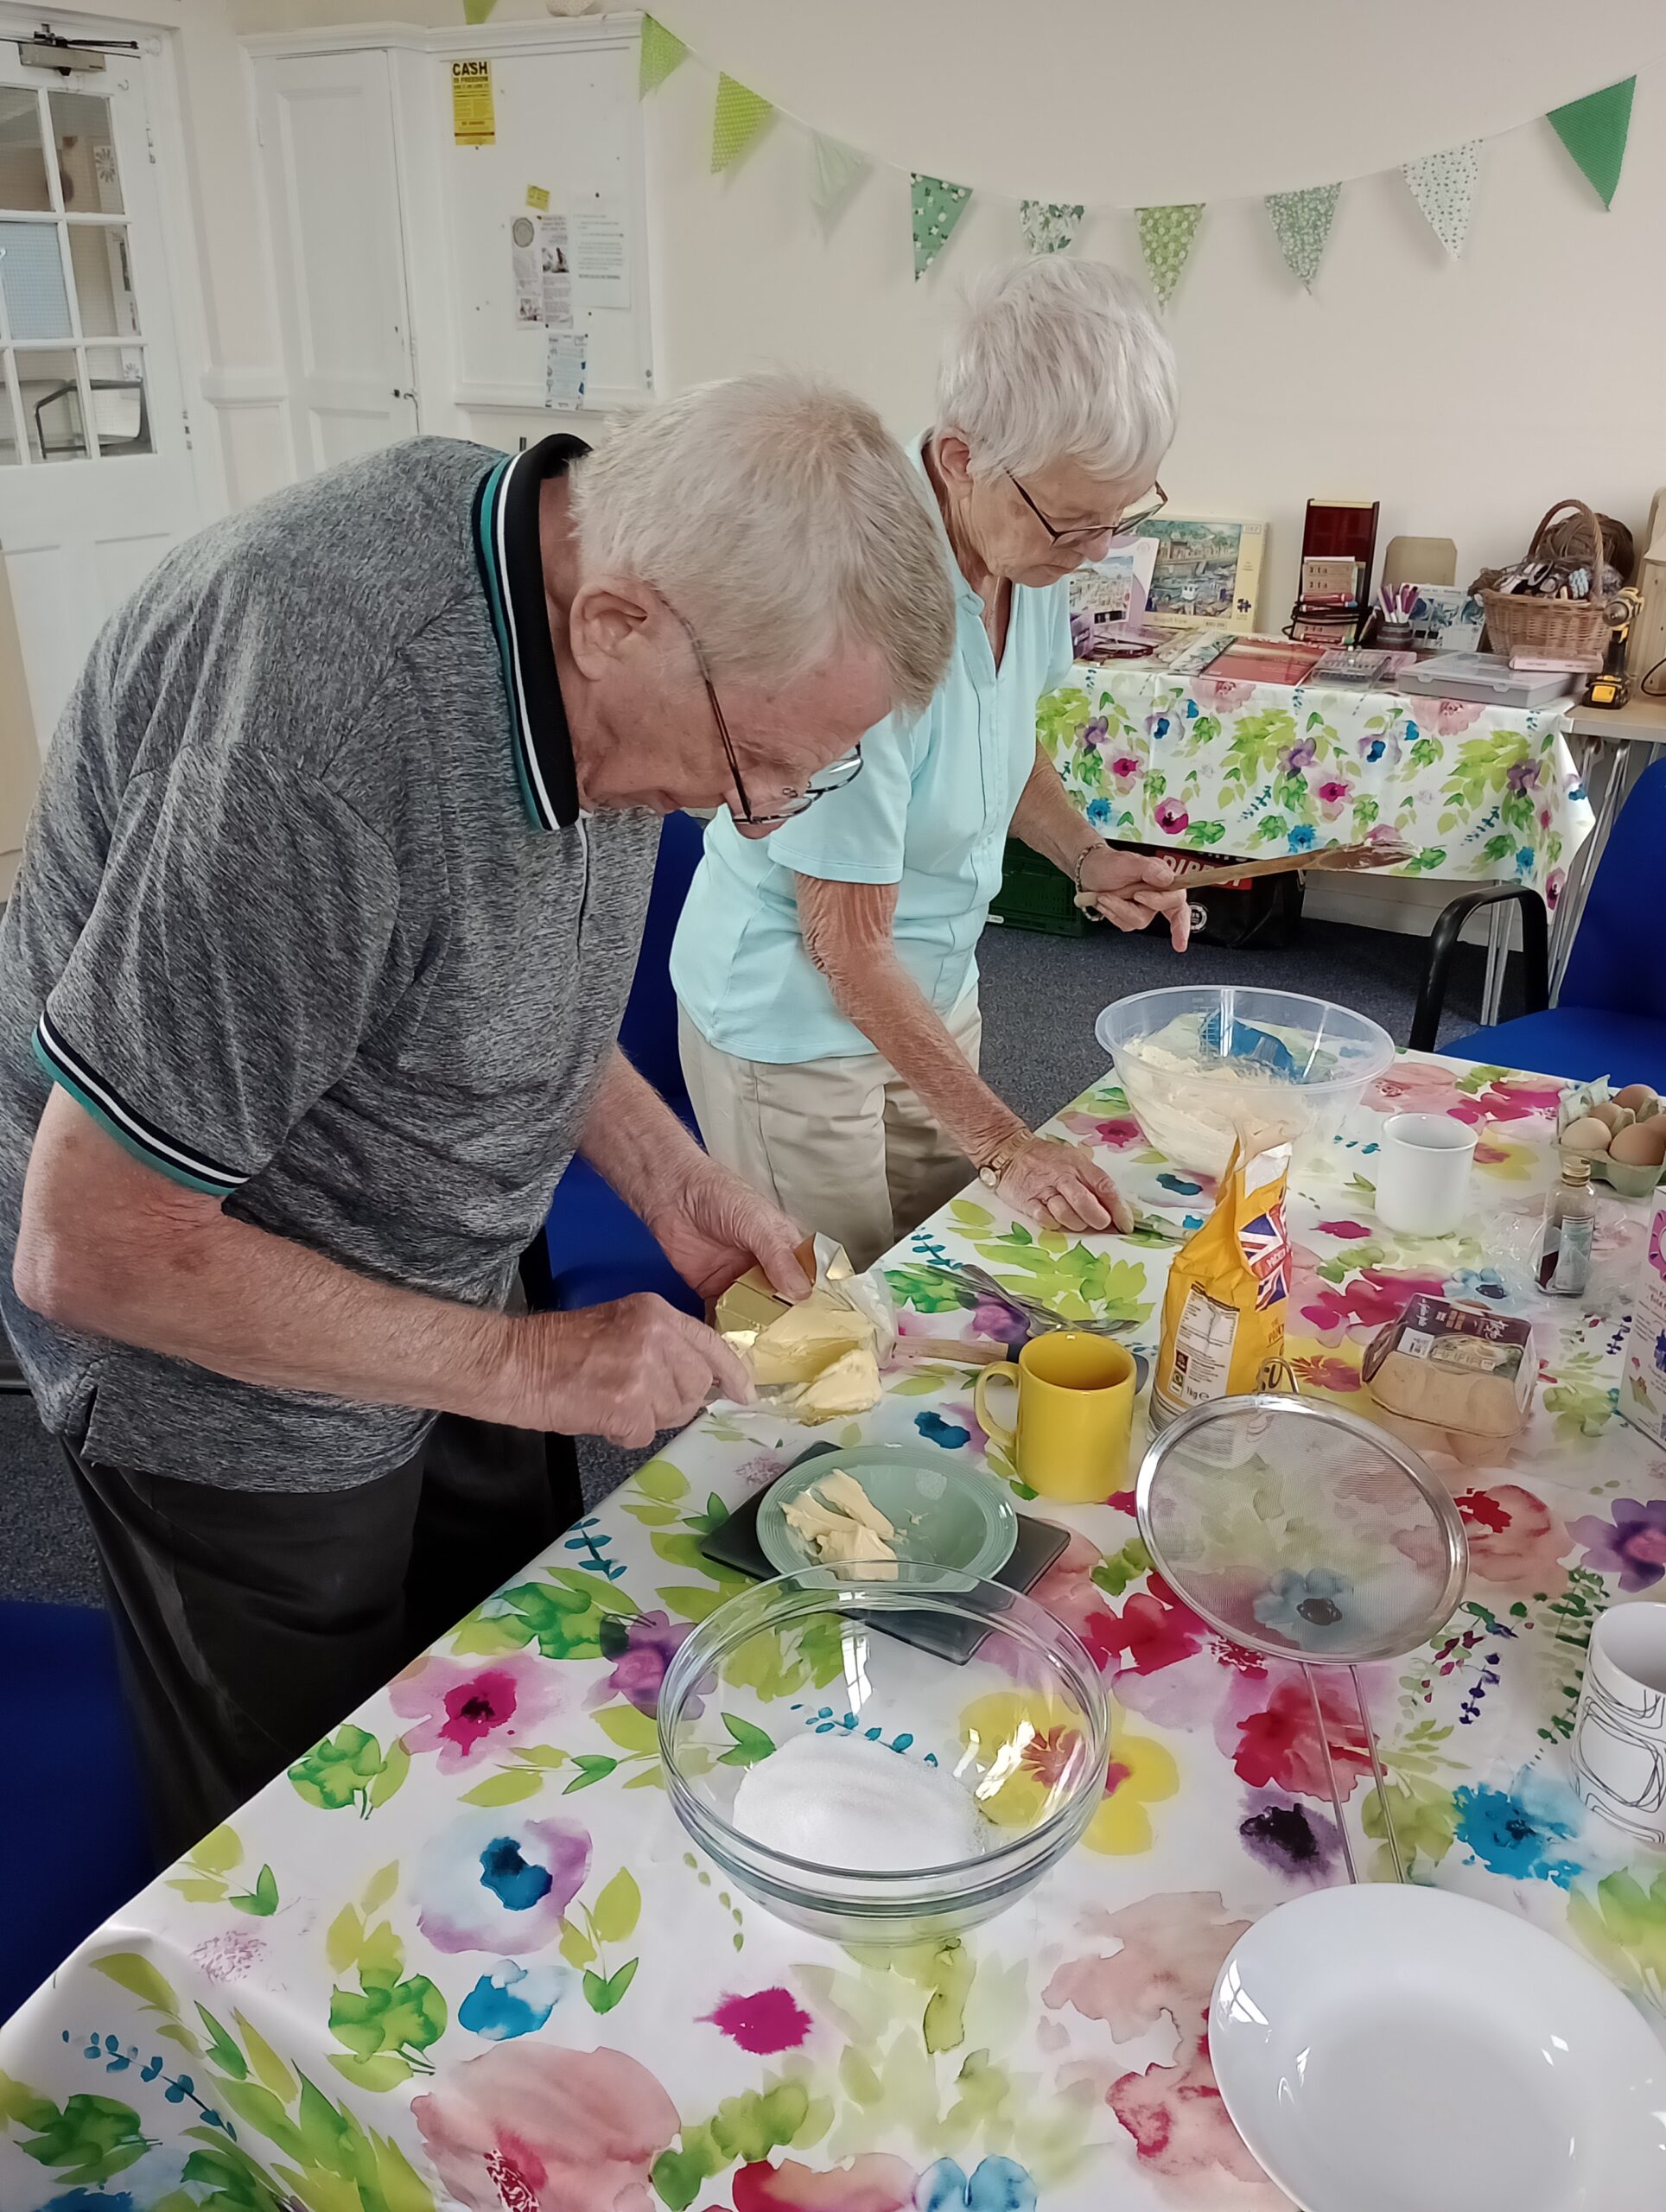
(1629, 1180)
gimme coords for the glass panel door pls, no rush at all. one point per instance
(66, 284)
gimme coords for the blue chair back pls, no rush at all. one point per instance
(648, 1032)
(596, 1248)
(1617, 963)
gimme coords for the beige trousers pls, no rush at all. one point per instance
(843, 1146)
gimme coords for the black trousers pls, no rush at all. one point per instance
(249, 1622)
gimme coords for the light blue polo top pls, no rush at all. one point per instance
(930, 812)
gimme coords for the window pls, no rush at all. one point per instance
(72, 352)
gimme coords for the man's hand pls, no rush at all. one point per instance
(1051, 1180)
(1132, 891)
(624, 1370)
(714, 1227)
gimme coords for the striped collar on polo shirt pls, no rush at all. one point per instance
(505, 529)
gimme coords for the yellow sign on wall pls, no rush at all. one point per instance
(474, 120)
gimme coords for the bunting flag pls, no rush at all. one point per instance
(1165, 236)
(737, 122)
(938, 206)
(1444, 185)
(835, 170)
(1594, 131)
(1049, 225)
(1302, 223)
(661, 52)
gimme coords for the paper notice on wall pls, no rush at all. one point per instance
(564, 367)
(528, 278)
(474, 119)
(536, 197)
(556, 273)
(601, 265)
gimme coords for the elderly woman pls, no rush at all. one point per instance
(827, 971)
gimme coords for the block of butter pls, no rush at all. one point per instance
(848, 1385)
(1456, 1378)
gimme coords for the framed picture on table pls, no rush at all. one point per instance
(1206, 572)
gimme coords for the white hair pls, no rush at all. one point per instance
(1059, 359)
(780, 519)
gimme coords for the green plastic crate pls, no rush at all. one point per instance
(1036, 895)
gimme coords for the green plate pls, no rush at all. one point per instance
(945, 1515)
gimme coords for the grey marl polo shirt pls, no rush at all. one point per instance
(308, 919)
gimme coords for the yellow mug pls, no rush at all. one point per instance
(1075, 1394)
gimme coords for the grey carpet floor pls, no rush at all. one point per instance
(1041, 995)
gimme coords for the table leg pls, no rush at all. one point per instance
(1604, 774)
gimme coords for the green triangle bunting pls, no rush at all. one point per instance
(938, 206)
(1594, 131)
(1166, 236)
(661, 52)
(738, 120)
(1302, 223)
(1050, 225)
(835, 170)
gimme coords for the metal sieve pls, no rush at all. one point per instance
(1301, 1533)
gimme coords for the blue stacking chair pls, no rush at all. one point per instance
(597, 1248)
(1610, 1019)
(73, 1843)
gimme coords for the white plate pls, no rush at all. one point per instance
(1389, 2050)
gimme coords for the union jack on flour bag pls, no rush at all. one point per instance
(1230, 1283)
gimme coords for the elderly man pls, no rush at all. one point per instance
(310, 989)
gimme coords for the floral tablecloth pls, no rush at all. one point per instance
(462, 1955)
(1479, 793)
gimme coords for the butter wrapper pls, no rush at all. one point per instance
(818, 1360)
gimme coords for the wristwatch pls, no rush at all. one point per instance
(1001, 1158)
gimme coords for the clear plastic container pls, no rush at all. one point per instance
(1209, 1065)
(1018, 1734)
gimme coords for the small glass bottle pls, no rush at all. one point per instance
(1570, 1217)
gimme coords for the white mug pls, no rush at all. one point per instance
(1422, 1173)
(1619, 1736)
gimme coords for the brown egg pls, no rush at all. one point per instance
(1636, 1096)
(1612, 1113)
(1644, 1145)
(1586, 1135)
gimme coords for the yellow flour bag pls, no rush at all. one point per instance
(1224, 1310)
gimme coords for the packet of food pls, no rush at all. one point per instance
(1228, 1289)
(1452, 1379)
(819, 1359)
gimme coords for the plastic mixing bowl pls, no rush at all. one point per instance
(1210, 1064)
(1007, 1750)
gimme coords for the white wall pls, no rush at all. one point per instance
(1464, 397)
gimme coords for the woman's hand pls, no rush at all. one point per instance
(1131, 891)
(1051, 1180)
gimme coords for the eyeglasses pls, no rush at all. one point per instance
(1085, 533)
(833, 777)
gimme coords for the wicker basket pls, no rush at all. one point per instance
(1552, 629)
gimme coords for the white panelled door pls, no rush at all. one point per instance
(326, 124)
(96, 479)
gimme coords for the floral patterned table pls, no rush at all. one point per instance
(1480, 793)
(462, 1955)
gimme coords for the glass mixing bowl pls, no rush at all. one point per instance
(1208, 1064)
(1006, 1751)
